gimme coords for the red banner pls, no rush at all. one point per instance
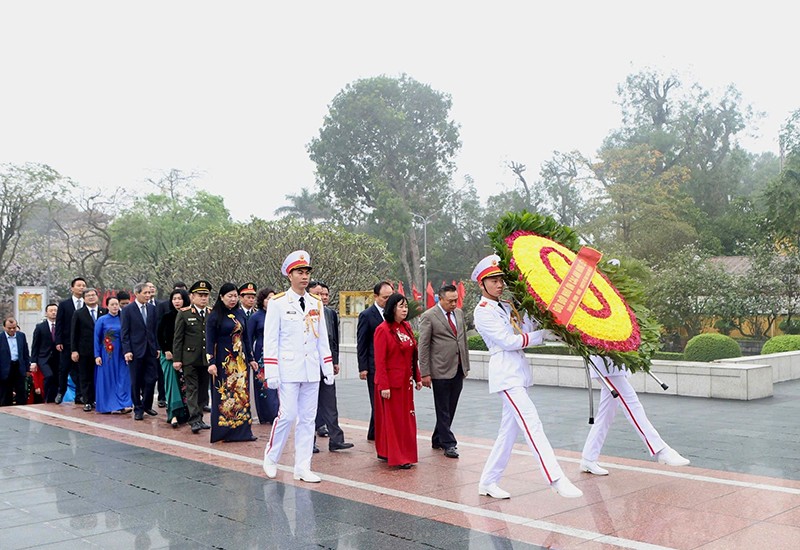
(574, 286)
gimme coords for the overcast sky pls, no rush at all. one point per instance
(112, 93)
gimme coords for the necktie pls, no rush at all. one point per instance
(144, 313)
(452, 324)
(80, 303)
(94, 317)
(53, 331)
(501, 306)
(302, 303)
(202, 313)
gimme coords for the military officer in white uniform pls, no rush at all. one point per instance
(296, 350)
(629, 402)
(506, 335)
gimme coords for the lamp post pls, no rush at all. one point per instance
(424, 260)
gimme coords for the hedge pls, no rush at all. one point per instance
(778, 344)
(710, 347)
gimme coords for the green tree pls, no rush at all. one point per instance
(157, 224)
(254, 251)
(685, 292)
(22, 187)
(385, 152)
(306, 206)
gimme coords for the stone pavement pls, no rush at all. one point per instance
(103, 481)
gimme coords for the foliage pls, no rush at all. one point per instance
(147, 234)
(476, 343)
(710, 347)
(668, 356)
(22, 187)
(789, 326)
(782, 200)
(385, 154)
(779, 344)
(628, 288)
(254, 252)
(686, 290)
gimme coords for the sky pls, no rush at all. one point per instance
(113, 93)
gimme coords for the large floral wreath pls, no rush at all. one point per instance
(536, 253)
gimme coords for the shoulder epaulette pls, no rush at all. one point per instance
(482, 303)
(276, 296)
(314, 296)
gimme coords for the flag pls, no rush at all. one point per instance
(400, 289)
(461, 293)
(431, 301)
(415, 293)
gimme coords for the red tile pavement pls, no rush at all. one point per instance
(640, 504)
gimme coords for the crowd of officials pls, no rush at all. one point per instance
(277, 355)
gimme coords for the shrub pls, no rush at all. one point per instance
(668, 356)
(790, 327)
(778, 344)
(710, 347)
(476, 343)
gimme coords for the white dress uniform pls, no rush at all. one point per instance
(510, 376)
(296, 350)
(628, 401)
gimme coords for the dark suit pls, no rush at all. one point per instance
(139, 339)
(66, 309)
(13, 373)
(162, 307)
(81, 339)
(327, 411)
(368, 321)
(444, 356)
(46, 357)
(189, 348)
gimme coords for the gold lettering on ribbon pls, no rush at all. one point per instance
(574, 286)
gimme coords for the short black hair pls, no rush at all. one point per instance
(178, 284)
(123, 295)
(391, 305)
(50, 304)
(75, 280)
(377, 289)
(313, 284)
(444, 289)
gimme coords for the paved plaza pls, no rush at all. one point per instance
(104, 481)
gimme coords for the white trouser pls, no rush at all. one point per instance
(607, 410)
(519, 415)
(298, 409)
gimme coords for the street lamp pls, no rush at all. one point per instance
(423, 262)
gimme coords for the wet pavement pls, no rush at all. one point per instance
(104, 481)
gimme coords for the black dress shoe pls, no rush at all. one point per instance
(204, 426)
(435, 446)
(162, 404)
(138, 415)
(335, 446)
(196, 428)
(451, 452)
(87, 408)
(151, 412)
(382, 458)
(59, 399)
(316, 449)
(207, 409)
(253, 438)
(323, 431)
(406, 466)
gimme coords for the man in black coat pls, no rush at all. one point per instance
(14, 364)
(82, 344)
(327, 410)
(368, 321)
(44, 356)
(140, 348)
(66, 309)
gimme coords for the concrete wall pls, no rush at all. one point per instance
(785, 366)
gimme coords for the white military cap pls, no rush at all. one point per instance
(487, 267)
(296, 260)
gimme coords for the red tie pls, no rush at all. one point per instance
(452, 324)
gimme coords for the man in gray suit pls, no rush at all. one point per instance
(444, 363)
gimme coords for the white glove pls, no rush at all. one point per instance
(273, 383)
(550, 336)
(328, 380)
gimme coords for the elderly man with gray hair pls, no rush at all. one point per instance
(139, 346)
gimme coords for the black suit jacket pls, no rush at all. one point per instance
(66, 309)
(5, 355)
(136, 338)
(81, 337)
(43, 348)
(332, 323)
(368, 321)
